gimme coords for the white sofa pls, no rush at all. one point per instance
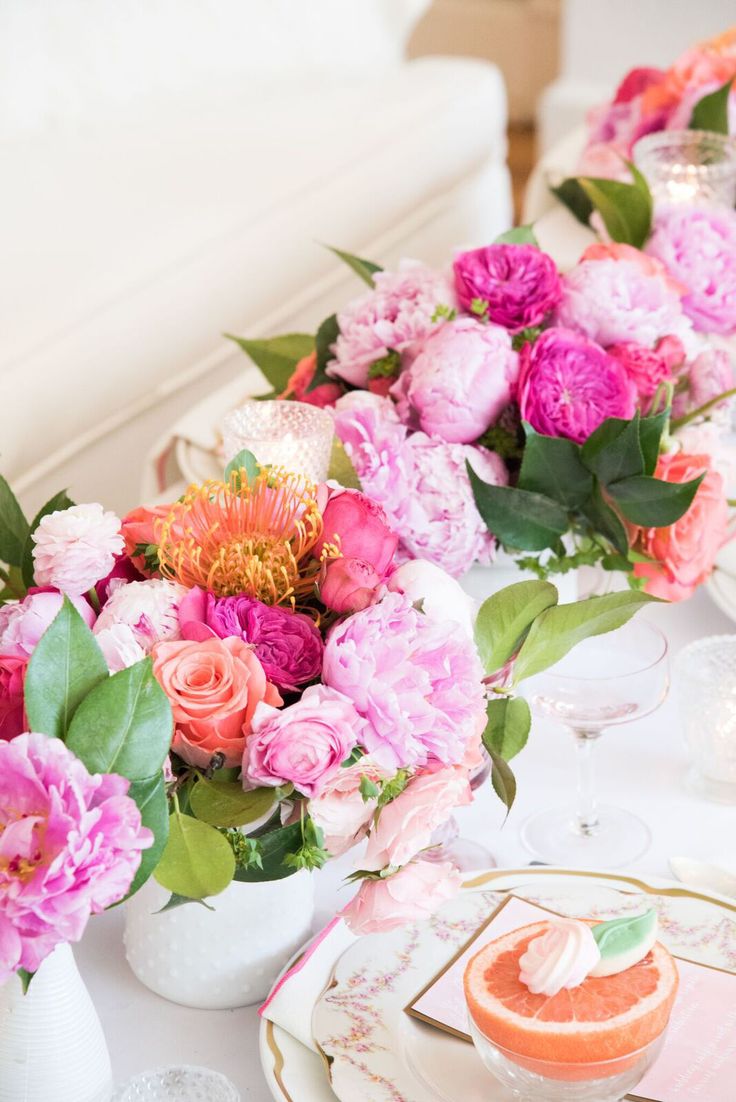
(169, 169)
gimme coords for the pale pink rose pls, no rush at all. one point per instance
(339, 809)
(150, 609)
(348, 585)
(405, 826)
(409, 895)
(75, 547)
(120, 647)
(304, 744)
(22, 623)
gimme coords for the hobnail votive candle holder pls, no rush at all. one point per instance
(293, 435)
(705, 679)
(182, 1083)
(689, 166)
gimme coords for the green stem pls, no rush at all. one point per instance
(93, 599)
(702, 410)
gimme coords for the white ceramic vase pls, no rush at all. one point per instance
(52, 1048)
(223, 958)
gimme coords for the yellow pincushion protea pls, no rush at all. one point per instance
(237, 537)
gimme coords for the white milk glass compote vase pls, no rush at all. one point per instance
(603, 682)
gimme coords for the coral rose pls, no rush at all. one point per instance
(685, 552)
(409, 895)
(326, 394)
(518, 284)
(359, 527)
(214, 688)
(139, 533)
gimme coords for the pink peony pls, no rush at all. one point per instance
(358, 526)
(518, 284)
(401, 310)
(416, 682)
(23, 623)
(568, 385)
(70, 845)
(348, 585)
(697, 245)
(324, 395)
(75, 547)
(339, 809)
(304, 744)
(405, 826)
(12, 708)
(461, 380)
(374, 438)
(409, 895)
(287, 644)
(150, 609)
(645, 368)
(709, 375)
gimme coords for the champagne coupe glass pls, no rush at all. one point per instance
(603, 682)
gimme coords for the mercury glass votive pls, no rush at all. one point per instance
(294, 435)
(705, 680)
(689, 166)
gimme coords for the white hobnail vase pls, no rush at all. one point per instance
(52, 1048)
(222, 958)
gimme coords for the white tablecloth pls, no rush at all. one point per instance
(641, 766)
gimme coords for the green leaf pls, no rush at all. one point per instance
(626, 209)
(366, 269)
(225, 804)
(13, 527)
(150, 796)
(559, 629)
(505, 617)
(518, 235)
(508, 726)
(197, 862)
(613, 451)
(551, 466)
(518, 518)
(650, 436)
(58, 501)
(278, 356)
(66, 665)
(573, 196)
(25, 978)
(605, 521)
(124, 725)
(327, 334)
(711, 112)
(274, 848)
(503, 780)
(243, 461)
(175, 901)
(14, 588)
(341, 468)
(652, 502)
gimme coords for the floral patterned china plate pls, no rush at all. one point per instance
(375, 1052)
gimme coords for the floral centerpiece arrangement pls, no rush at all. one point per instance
(574, 418)
(322, 694)
(696, 92)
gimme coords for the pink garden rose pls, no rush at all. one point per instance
(22, 623)
(568, 385)
(348, 585)
(358, 526)
(339, 808)
(697, 245)
(12, 708)
(460, 382)
(409, 895)
(417, 683)
(70, 845)
(76, 547)
(214, 688)
(645, 368)
(406, 824)
(400, 310)
(517, 284)
(324, 395)
(304, 744)
(685, 552)
(150, 609)
(287, 644)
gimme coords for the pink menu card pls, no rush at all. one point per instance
(698, 1061)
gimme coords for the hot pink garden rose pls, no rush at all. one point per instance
(12, 709)
(70, 845)
(348, 585)
(405, 826)
(409, 895)
(685, 552)
(359, 527)
(339, 809)
(568, 385)
(518, 284)
(214, 688)
(76, 547)
(460, 382)
(304, 744)
(22, 623)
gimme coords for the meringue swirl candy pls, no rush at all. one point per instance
(559, 958)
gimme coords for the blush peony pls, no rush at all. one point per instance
(22, 623)
(150, 609)
(76, 547)
(517, 284)
(568, 385)
(409, 895)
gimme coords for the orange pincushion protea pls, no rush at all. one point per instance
(236, 537)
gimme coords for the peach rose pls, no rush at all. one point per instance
(685, 552)
(138, 530)
(409, 895)
(340, 810)
(214, 688)
(406, 825)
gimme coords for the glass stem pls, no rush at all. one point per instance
(586, 811)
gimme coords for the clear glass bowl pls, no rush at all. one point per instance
(689, 166)
(546, 1081)
(184, 1083)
